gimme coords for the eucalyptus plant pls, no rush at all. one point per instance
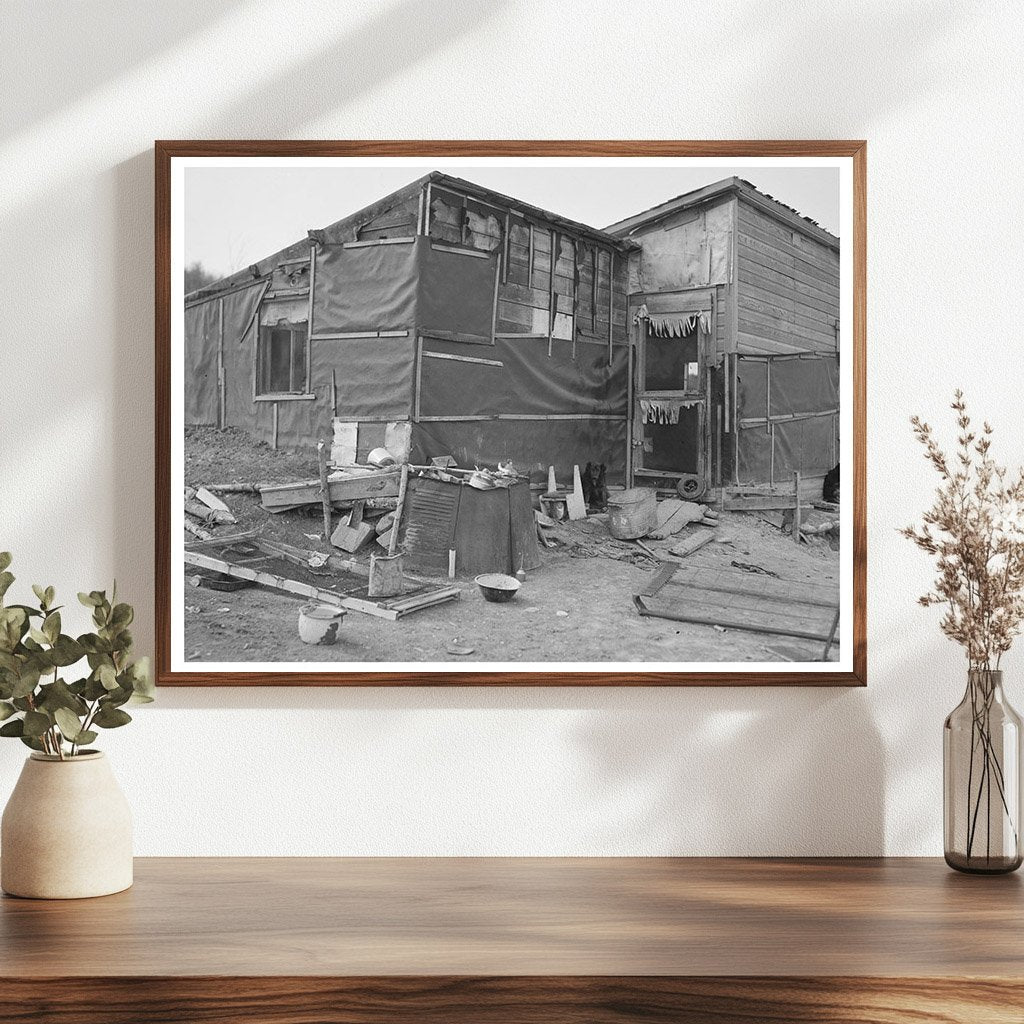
(38, 705)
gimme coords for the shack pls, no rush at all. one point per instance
(494, 330)
(734, 309)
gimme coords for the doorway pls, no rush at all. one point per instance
(670, 400)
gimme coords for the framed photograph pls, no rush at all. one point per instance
(492, 413)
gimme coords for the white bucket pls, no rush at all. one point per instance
(320, 623)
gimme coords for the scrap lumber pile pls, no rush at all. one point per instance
(366, 492)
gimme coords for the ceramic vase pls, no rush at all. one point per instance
(66, 831)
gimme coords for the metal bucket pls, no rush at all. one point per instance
(632, 513)
(320, 623)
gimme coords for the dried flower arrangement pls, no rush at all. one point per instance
(975, 530)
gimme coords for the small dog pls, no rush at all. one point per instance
(830, 487)
(595, 490)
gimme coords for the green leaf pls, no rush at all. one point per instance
(51, 626)
(13, 624)
(38, 635)
(40, 593)
(36, 723)
(94, 645)
(31, 741)
(111, 718)
(115, 698)
(89, 600)
(142, 682)
(6, 579)
(13, 728)
(5, 560)
(86, 736)
(6, 710)
(122, 615)
(27, 681)
(107, 676)
(50, 595)
(69, 724)
(66, 651)
(94, 689)
(59, 695)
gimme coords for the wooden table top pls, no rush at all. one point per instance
(527, 916)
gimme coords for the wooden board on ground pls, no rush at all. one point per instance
(738, 600)
(375, 484)
(389, 610)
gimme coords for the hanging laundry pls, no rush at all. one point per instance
(659, 410)
(673, 325)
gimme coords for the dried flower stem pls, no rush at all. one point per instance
(975, 531)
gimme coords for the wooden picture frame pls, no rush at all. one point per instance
(853, 670)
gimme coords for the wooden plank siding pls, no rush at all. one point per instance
(787, 287)
(523, 309)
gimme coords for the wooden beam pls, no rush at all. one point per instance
(552, 309)
(611, 302)
(294, 587)
(462, 359)
(529, 269)
(796, 507)
(221, 385)
(499, 272)
(277, 497)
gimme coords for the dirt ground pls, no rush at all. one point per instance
(572, 608)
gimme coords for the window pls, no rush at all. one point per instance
(282, 361)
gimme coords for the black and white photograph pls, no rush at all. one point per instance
(511, 414)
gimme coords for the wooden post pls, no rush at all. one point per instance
(274, 428)
(718, 454)
(552, 299)
(417, 380)
(309, 320)
(629, 414)
(402, 485)
(499, 272)
(334, 394)
(796, 510)
(325, 487)
(611, 301)
(506, 248)
(529, 265)
(221, 385)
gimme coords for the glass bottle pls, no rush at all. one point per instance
(981, 773)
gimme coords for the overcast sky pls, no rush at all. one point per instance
(235, 216)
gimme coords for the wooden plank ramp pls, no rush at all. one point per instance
(738, 600)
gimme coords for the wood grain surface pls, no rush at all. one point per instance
(855, 481)
(503, 940)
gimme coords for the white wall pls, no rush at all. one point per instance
(936, 88)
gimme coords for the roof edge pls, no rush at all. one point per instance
(732, 185)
